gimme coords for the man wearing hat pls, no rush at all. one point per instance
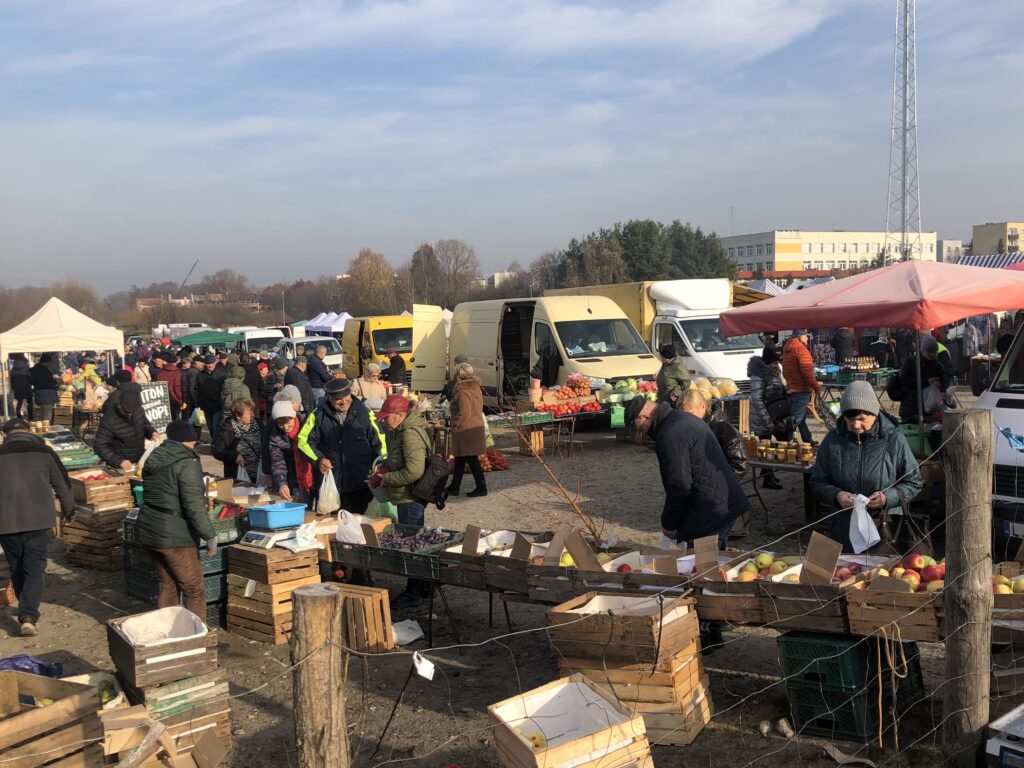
(702, 495)
(296, 377)
(798, 369)
(171, 373)
(211, 383)
(173, 518)
(123, 431)
(30, 474)
(866, 454)
(673, 378)
(395, 373)
(342, 436)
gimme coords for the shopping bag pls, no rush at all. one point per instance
(349, 530)
(198, 418)
(932, 398)
(329, 500)
(863, 532)
(242, 476)
(488, 439)
(383, 509)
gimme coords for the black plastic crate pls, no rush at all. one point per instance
(834, 714)
(422, 564)
(848, 664)
(145, 585)
(229, 531)
(139, 558)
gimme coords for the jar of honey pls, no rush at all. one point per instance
(806, 454)
(791, 455)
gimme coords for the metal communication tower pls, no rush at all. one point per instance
(903, 215)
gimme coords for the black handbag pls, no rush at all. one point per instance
(779, 409)
(907, 538)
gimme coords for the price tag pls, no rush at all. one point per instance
(424, 667)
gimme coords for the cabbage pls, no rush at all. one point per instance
(607, 389)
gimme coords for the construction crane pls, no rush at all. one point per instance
(185, 281)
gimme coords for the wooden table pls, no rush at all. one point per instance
(810, 503)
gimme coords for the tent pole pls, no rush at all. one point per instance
(4, 373)
(920, 398)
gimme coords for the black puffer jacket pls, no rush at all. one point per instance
(43, 384)
(702, 494)
(317, 372)
(878, 460)
(300, 381)
(844, 343)
(21, 380)
(190, 386)
(173, 512)
(730, 440)
(766, 387)
(211, 385)
(121, 437)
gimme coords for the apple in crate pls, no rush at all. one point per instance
(914, 562)
(763, 560)
(624, 568)
(778, 567)
(931, 573)
(935, 586)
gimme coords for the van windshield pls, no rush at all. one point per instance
(398, 339)
(260, 343)
(333, 347)
(582, 338)
(1010, 377)
(706, 336)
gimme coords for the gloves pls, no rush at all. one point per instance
(211, 548)
(375, 481)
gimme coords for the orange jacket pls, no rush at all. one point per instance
(798, 367)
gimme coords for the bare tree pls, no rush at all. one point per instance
(459, 267)
(546, 270)
(370, 286)
(426, 279)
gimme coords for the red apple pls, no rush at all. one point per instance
(914, 562)
(624, 568)
(935, 586)
(855, 568)
(931, 573)
(912, 579)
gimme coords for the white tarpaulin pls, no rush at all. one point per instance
(56, 327)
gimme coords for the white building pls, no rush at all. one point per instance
(950, 250)
(794, 250)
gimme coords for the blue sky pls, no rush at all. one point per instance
(279, 137)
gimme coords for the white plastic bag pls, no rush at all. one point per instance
(304, 540)
(242, 476)
(149, 449)
(329, 500)
(349, 530)
(932, 398)
(863, 531)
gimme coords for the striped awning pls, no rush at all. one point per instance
(991, 260)
(766, 286)
(799, 285)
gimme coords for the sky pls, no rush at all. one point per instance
(278, 137)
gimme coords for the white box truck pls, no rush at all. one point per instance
(503, 340)
(685, 313)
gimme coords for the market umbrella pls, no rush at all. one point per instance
(910, 294)
(1018, 267)
(210, 338)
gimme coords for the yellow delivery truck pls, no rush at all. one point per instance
(368, 339)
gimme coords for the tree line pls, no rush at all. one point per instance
(445, 273)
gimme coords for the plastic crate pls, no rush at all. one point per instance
(284, 514)
(834, 714)
(229, 531)
(833, 662)
(138, 557)
(145, 585)
(423, 564)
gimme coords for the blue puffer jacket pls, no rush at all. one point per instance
(878, 460)
(765, 387)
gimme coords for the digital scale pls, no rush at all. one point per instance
(1005, 745)
(266, 539)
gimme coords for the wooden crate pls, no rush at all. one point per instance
(97, 493)
(261, 611)
(735, 603)
(806, 607)
(638, 629)
(366, 618)
(738, 413)
(555, 584)
(531, 441)
(581, 726)
(896, 615)
(66, 732)
(141, 666)
(504, 573)
(271, 566)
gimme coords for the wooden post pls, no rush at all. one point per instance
(967, 459)
(321, 735)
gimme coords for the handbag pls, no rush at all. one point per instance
(907, 538)
(779, 409)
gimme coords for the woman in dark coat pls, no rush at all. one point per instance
(290, 470)
(468, 437)
(21, 386)
(768, 396)
(240, 440)
(865, 454)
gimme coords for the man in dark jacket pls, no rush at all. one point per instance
(297, 377)
(395, 373)
(171, 373)
(30, 475)
(318, 373)
(173, 518)
(123, 431)
(211, 383)
(702, 495)
(190, 384)
(932, 371)
(21, 386)
(844, 344)
(673, 378)
(342, 436)
(44, 387)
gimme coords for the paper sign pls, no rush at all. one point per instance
(156, 402)
(424, 667)
(666, 566)
(471, 541)
(821, 560)
(521, 548)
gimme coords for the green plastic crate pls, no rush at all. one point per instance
(145, 585)
(423, 564)
(138, 557)
(834, 714)
(847, 664)
(229, 531)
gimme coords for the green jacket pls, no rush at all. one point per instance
(407, 457)
(673, 381)
(234, 389)
(173, 512)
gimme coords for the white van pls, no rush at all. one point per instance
(259, 340)
(503, 340)
(1005, 398)
(286, 349)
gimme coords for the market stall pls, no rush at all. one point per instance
(57, 327)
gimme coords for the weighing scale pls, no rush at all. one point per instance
(1005, 745)
(266, 539)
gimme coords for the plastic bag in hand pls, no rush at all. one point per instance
(242, 476)
(329, 500)
(863, 531)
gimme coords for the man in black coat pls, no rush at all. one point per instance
(395, 372)
(318, 373)
(210, 384)
(30, 475)
(190, 383)
(702, 495)
(297, 377)
(123, 431)
(21, 386)
(844, 344)
(44, 387)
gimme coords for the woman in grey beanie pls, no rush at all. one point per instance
(865, 454)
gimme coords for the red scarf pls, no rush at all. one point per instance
(303, 469)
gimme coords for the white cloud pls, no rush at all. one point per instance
(58, 62)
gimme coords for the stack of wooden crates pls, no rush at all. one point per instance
(643, 651)
(47, 722)
(260, 586)
(94, 536)
(64, 410)
(179, 681)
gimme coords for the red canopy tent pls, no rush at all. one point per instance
(1018, 267)
(911, 294)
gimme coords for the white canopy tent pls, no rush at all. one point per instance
(56, 327)
(327, 324)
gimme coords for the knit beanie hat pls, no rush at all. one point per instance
(859, 396)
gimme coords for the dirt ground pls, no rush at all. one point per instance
(444, 722)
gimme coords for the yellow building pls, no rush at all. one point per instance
(794, 250)
(996, 238)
